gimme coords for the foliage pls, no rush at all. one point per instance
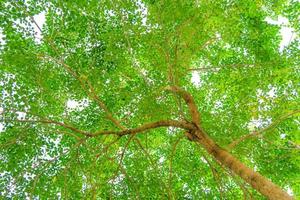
(114, 59)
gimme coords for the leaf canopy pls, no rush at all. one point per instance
(103, 65)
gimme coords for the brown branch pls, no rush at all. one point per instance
(260, 132)
(189, 101)
(103, 106)
(69, 69)
(215, 175)
(105, 149)
(154, 165)
(255, 179)
(90, 91)
(123, 171)
(171, 160)
(44, 121)
(69, 134)
(145, 127)
(124, 149)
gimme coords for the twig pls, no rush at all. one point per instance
(171, 160)
(215, 175)
(67, 126)
(258, 133)
(154, 165)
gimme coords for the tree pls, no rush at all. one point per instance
(98, 101)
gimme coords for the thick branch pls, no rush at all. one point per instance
(189, 101)
(145, 127)
(256, 180)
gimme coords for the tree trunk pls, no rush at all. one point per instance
(257, 181)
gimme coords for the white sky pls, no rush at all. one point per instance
(287, 35)
(40, 20)
(72, 104)
(1, 125)
(196, 79)
(1, 36)
(286, 32)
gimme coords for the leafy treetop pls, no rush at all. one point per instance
(77, 91)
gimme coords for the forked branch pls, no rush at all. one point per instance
(187, 97)
(142, 128)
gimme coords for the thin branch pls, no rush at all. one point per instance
(215, 175)
(103, 106)
(171, 160)
(154, 165)
(231, 174)
(90, 91)
(123, 171)
(67, 126)
(105, 149)
(242, 185)
(258, 133)
(272, 143)
(124, 149)
(69, 134)
(47, 163)
(220, 67)
(235, 65)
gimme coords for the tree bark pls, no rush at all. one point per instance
(256, 180)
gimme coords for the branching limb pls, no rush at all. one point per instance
(154, 166)
(90, 91)
(123, 171)
(105, 149)
(215, 175)
(124, 149)
(86, 86)
(49, 162)
(189, 101)
(145, 127)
